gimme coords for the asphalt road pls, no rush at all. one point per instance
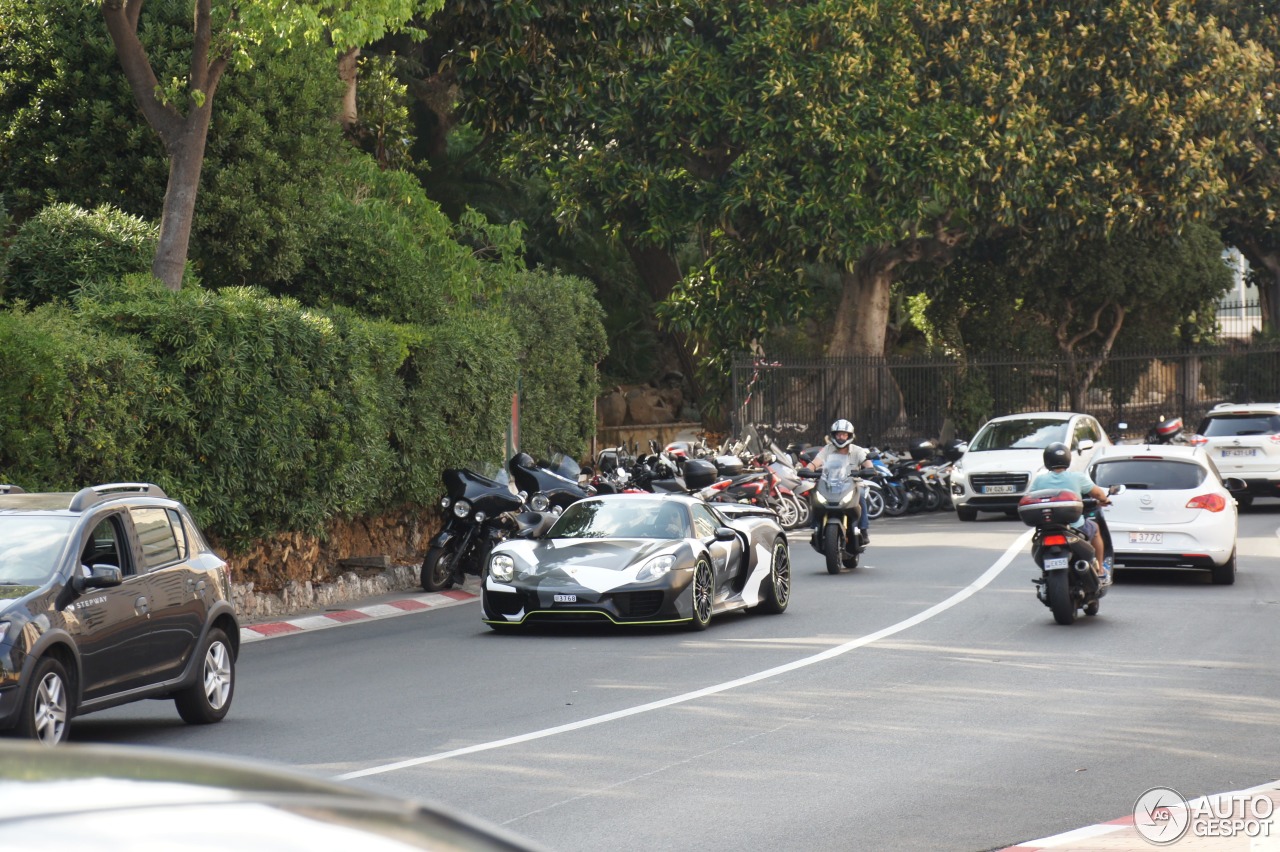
(925, 700)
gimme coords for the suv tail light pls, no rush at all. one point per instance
(1210, 502)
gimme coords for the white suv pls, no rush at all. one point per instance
(1244, 442)
(1008, 452)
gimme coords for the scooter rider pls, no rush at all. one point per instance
(842, 445)
(1057, 458)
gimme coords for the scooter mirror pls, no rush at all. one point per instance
(1118, 488)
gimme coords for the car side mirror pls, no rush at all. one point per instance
(103, 577)
(725, 534)
(1234, 484)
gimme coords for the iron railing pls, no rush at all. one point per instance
(894, 400)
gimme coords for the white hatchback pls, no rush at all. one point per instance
(1176, 510)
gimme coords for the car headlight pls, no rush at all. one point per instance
(462, 508)
(540, 502)
(656, 567)
(502, 567)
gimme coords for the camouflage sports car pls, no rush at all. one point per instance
(641, 559)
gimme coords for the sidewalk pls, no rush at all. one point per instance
(1240, 821)
(384, 606)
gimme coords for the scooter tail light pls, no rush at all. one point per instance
(1209, 502)
(1199, 439)
(1055, 539)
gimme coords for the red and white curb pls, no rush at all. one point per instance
(401, 606)
(1103, 837)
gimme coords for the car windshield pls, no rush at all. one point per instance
(1023, 434)
(1150, 474)
(628, 517)
(30, 546)
(1233, 425)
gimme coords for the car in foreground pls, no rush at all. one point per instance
(641, 559)
(128, 798)
(1176, 510)
(1007, 454)
(1244, 442)
(109, 595)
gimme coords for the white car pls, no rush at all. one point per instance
(1176, 511)
(1007, 453)
(1244, 441)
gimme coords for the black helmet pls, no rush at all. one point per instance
(1057, 455)
(522, 460)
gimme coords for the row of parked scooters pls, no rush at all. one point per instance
(755, 469)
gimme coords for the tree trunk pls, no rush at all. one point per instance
(865, 393)
(862, 317)
(348, 113)
(660, 274)
(183, 137)
(186, 159)
(1267, 264)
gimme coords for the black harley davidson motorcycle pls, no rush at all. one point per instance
(1067, 581)
(551, 486)
(481, 509)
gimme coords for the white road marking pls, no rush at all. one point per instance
(964, 594)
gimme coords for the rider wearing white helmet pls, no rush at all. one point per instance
(842, 444)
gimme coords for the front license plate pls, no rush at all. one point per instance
(565, 598)
(1146, 538)
(998, 489)
(1055, 563)
(1238, 452)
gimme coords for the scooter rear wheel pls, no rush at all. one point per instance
(1059, 592)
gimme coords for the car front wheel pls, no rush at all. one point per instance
(46, 708)
(209, 698)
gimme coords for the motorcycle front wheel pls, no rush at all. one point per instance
(803, 513)
(875, 503)
(895, 501)
(437, 568)
(833, 548)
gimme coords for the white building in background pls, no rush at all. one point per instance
(1239, 309)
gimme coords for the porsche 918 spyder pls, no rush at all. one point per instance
(641, 559)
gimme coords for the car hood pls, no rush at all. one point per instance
(1003, 461)
(595, 563)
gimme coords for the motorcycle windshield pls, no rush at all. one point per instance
(837, 476)
(565, 466)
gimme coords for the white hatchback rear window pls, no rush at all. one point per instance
(1150, 474)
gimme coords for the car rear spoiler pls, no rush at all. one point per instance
(738, 510)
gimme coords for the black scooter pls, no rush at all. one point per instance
(835, 504)
(480, 511)
(1067, 581)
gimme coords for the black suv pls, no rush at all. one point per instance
(107, 596)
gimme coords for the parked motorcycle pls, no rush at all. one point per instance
(1067, 580)
(481, 510)
(550, 487)
(837, 506)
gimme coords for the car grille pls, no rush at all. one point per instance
(504, 603)
(639, 604)
(981, 480)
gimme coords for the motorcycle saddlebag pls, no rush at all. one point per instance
(699, 473)
(1050, 507)
(728, 465)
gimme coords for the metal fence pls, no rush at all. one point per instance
(894, 400)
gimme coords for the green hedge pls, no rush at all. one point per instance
(75, 404)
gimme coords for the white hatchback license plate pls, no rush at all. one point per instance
(565, 598)
(1055, 563)
(1236, 453)
(998, 489)
(1146, 538)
